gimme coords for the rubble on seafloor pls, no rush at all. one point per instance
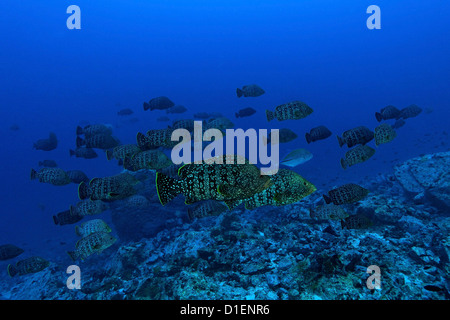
(272, 252)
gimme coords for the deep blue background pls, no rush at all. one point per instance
(198, 53)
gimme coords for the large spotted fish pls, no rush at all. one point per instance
(358, 154)
(55, 176)
(290, 111)
(347, 193)
(358, 135)
(93, 243)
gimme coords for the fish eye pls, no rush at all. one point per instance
(304, 183)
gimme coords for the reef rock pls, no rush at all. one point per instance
(427, 176)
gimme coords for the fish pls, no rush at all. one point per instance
(356, 222)
(388, 112)
(98, 141)
(29, 265)
(398, 124)
(328, 211)
(55, 176)
(251, 90)
(92, 226)
(347, 193)
(202, 115)
(163, 119)
(213, 181)
(88, 208)
(66, 217)
(358, 135)
(83, 152)
(94, 129)
(288, 187)
(290, 111)
(125, 112)
(109, 188)
(410, 112)
(246, 112)
(93, 243)
(176, 109)
(358, 154)
(208, 208)
(9, 251)
(187, 124)
(296, 157)
(384, 133)
(122, 151)
(77, 176)
(149, 159)
(221, 123)
(159, 103)
(155, 138)
(48, 163)
(285, 135)
(47, 144)
(317, 133)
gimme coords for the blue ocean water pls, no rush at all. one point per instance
(197, 53)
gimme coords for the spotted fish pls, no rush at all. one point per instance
(328, 211)
(155, 138)
(206, 208)
(88, 207)
(347, 193)
(290, 111)
(109, 188)
(83, 152)
(122, 151)
(358, 154)
(26, 266)
(92, 226)
(159, 103)
(94, 129)
(317, 133)
(66, 217)
(149, 159)
(55, 176)
(410, 112)
(9, 251)
(388, 112)
(251, 90)
(93, 243)
(288, 187)
(358, 135)
(384, 133)
(99, 141)
(215, 181)
(356, 222)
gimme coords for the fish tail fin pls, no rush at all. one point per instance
(80, 142)
(71, 152)
(343, 224)
(341, 142)
(167, 188)
(308, 138)
(239, 92)
(33, 174)
(127, 163)
(146, 106)
(141, 140)
(269, 115)
(79, 130)
(109, 154)
(12, 271)
(343, 164)
(55, 220)
(327, 199)
(83, 190)
(378, 116)
(73, 255)
(236, 114)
